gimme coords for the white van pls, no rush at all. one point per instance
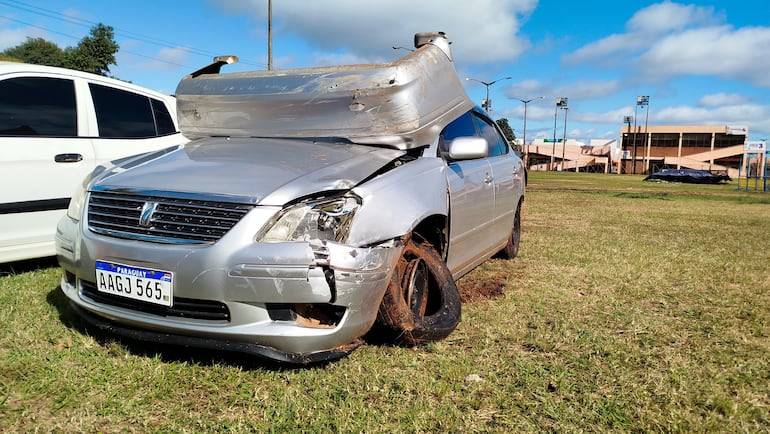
(56, 126)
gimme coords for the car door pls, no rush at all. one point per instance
(471, 199)
(45, 153)
(506, 169)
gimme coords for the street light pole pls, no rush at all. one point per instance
(626, 120)
(641, 101)
(559, 103)
(526, 101)
(564, 141)
(487, 103)
(269, 35)
(646, 101)
(636, 114)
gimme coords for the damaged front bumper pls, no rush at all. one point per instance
(294, 302)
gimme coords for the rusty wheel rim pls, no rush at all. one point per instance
(416, 287)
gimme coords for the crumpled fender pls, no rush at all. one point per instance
(395, 202)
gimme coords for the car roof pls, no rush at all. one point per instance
(402, 104)
(8, 67)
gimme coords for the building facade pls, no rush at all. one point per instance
(717, 148)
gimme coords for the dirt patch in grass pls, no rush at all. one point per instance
(474, 289)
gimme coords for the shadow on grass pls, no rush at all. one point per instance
(167, 353)
(20, 267)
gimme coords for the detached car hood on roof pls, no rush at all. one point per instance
(387, 104)
(266, 171)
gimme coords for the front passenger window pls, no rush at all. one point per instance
(460, 127)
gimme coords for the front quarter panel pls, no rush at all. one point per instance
(395, 202)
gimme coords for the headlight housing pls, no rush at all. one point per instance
(75, 208)
(323, 219)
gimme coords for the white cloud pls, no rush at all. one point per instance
(721, 99)
(12, 37)
(731, 114)
(481, 31)
(670, 39)
(664, 17)
(720, 51)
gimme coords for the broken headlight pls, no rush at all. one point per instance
(325, 219)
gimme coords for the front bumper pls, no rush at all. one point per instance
(271, 292)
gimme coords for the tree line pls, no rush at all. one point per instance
(94, 53)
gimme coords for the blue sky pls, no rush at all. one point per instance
(703, 62)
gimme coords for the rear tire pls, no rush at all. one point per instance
(422, 303)
(511, 249)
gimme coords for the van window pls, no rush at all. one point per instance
(38, 106)
(122, 114)
(163, 120)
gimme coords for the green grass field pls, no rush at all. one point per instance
(633, 306)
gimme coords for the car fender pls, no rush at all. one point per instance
(395, 202)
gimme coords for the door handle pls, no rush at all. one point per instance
(488, 179)
(68, 158)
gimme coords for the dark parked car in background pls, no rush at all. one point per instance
(309, 205)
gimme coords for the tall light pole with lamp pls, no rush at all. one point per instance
(560, 102)
(269, 35)
(526, 101)
(487, 103)
(641, 101)
(564, 141)
(621, 168)
(644, 101)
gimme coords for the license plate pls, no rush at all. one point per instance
(144, 284)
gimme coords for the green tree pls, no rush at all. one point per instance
(37, 51)
(94, 53)
(505, 127)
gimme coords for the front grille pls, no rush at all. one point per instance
(162, 219)
(183, 307)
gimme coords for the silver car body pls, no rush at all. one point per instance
(266, 143)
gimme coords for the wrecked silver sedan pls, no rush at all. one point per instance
(312, 205)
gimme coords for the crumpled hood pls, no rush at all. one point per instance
(267, 171)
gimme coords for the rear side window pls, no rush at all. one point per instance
(123, 114)
(38, 106)
(163, 119)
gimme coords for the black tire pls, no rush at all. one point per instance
(422, 303)
(511, 249)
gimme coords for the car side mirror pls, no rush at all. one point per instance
(468, 148)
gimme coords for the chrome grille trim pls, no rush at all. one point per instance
(174, 220)
(208, 310)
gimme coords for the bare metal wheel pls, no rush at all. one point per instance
(422, 303)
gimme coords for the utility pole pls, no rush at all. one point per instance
(526, 151)
(269, 35)
(487, 103)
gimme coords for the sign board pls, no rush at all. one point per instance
(755, 146)
(736, 130)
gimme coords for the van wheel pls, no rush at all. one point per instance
(422, 303)
(511, 249)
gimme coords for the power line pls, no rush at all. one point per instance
(86, 23)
